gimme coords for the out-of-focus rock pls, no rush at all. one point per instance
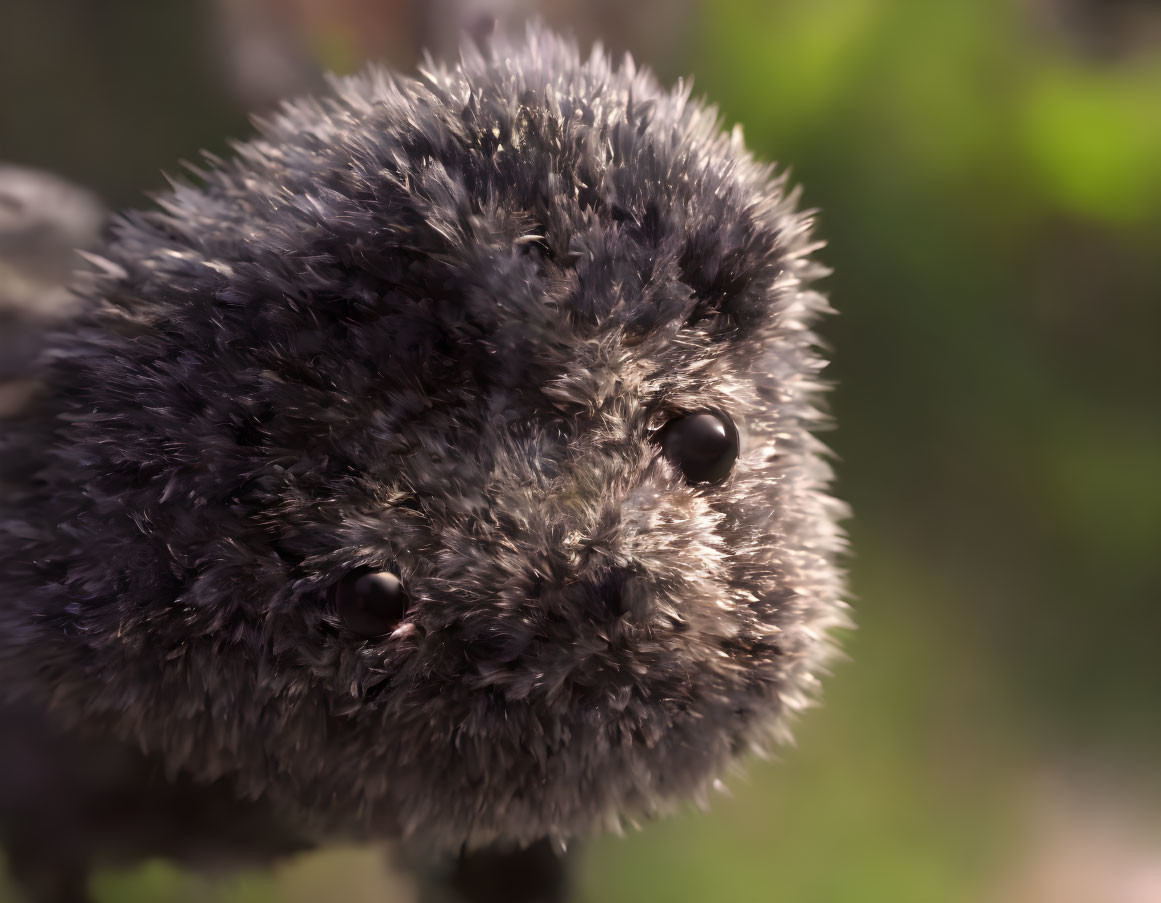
(1084, 840)
(44, 220)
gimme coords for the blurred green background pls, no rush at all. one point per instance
(989, 175)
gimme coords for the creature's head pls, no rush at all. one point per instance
(439, 465)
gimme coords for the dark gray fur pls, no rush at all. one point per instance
(430, 325)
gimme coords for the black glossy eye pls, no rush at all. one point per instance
(370, 603)
(703, 444)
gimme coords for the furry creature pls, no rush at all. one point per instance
(440, 466)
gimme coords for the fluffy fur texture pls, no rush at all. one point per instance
(431, 326)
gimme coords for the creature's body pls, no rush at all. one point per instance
(440, 468)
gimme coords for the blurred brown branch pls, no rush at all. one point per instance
(274, 48)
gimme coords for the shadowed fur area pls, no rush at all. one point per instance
(431, 326)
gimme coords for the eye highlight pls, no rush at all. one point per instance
(702, 444)
(370, 603)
